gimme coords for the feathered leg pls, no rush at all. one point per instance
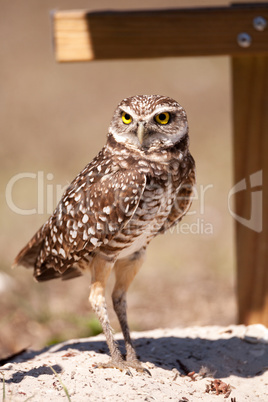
(100, 270)
(125, 271)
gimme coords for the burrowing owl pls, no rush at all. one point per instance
(138, 186)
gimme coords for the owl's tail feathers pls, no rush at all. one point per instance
(46, 274)
(29, 254)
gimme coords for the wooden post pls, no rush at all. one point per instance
(83, 36)
(250, 118)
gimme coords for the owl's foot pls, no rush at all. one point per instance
(120, 365)
(136, 364)
(123, 366)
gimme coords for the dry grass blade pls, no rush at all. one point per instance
(61, 383)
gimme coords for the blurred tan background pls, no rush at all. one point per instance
(54, 119)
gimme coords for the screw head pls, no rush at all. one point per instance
(260, 23)
(244, 39)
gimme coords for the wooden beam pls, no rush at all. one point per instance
(85, 36)
(250, 117)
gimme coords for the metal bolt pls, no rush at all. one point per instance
(259, 23)
(244, 39)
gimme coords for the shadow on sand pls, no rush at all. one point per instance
(221, 357)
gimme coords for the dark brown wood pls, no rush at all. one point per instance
(84, 36)
(250, 117)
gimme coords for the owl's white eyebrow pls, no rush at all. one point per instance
(164, 109)
(128, 110)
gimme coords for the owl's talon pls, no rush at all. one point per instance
(138, 367)
(148, 372)
(128, 372)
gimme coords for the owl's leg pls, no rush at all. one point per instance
(125, 271)
(100, 271)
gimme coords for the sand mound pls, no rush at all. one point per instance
(190, 364)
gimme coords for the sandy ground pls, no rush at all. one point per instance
(236, 356)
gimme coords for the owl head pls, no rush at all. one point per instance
(149, 123)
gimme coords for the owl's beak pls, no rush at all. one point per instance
(140, 132)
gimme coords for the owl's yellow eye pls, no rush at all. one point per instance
(127, 119)
(162, 118)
